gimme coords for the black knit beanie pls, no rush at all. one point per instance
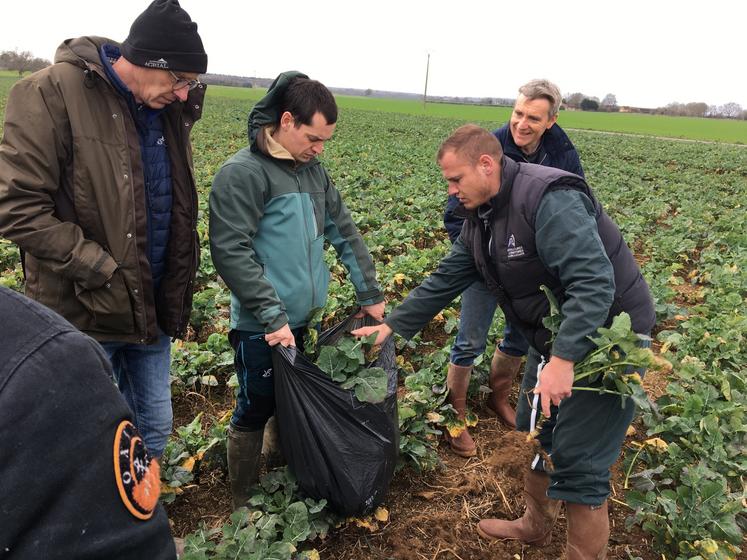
(164, 36)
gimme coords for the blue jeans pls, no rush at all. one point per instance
(255, 403)
(478, 308)
(142, 374)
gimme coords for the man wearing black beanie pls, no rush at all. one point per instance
(97, 190)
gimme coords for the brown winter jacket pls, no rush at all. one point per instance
(72, 197)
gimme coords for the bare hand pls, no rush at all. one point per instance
(555, 383)
(382, 330)
(282, 336)
(376, 311)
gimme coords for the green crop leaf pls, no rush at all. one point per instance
(370, 385)
(330, 363)
(296, 520)
(278, 551)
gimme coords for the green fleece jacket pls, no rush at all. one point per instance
(269, 219)
(562, 216)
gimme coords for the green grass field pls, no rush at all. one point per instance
(715, 130)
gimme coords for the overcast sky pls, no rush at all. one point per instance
(648, 53)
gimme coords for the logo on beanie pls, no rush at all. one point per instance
(160, 63)
(137, 474)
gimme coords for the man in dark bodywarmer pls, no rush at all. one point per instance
(76, 479)
(528, 226)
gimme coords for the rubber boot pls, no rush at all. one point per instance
(244, 451)
(179, 546)
(503, 370)
(535, 526)
(271, 446)
(588, 532)
(457, 381)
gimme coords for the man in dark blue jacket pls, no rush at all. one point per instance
(531, 136)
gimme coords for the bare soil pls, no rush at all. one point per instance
(431, 515)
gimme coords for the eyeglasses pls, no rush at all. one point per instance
(180, 83)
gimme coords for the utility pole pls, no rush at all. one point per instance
(427, 67)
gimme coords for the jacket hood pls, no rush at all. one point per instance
(266, 110)
(82, 51)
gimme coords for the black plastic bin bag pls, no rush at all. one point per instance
(338, 448)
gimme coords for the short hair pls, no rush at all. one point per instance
(304, 98)
(471, 141)
(543, 89)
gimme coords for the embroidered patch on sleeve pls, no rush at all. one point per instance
(137, 474)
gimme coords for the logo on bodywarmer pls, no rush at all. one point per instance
(512, 250)
(138, 475)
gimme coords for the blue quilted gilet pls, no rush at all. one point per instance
(156, 169)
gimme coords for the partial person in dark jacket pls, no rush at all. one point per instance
(529, 226)
(532, 136)
(97, 190)
(77, 481)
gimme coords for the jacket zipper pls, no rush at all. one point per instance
(308, 247)
(180, 327)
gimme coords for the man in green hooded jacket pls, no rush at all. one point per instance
(272, 207)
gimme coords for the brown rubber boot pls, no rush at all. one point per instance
(271, 446)
(244, 451)
(535, 526)
(457, 381)
(588, 532)
(503, 370)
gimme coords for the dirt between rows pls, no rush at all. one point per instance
(433, 515)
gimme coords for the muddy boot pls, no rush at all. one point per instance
(244, 450)
(271, 447)
(457, 381)
(588, 532)
(503, 370)
(535, 526)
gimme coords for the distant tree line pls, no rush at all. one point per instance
(699, 109)
(585, 102)
(22, 61)
(578, 100)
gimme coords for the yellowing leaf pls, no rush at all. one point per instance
(471, 419)
(657, 444)
(366, 523)
(434, 417)
(166, 489)
(381, 514)
(662, 364)
(455, 430)
(634, 378)
(399, 278)
(631, 431)
(188, 464)
(709, 546)
(312, 554)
